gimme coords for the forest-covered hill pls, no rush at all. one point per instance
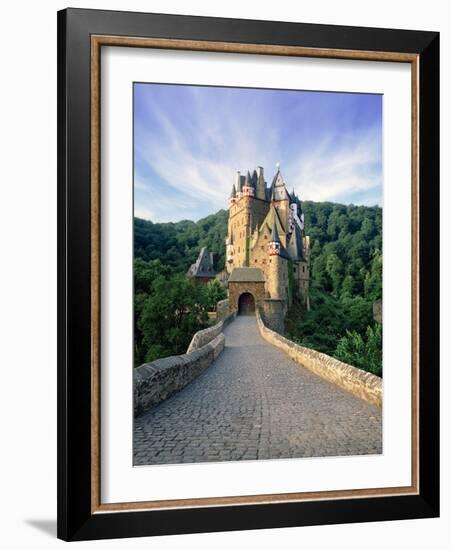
(346, 268)
(178, 244)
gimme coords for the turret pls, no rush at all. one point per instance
(238, 185)
(274, 243)
(248, 188)
(277, 269)
(278, 186)
(232, 199)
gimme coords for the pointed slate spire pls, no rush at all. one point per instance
(295, 245)
(273, 192)
(275, 245)
(274, 180)
(233, 193)
(239, 179)
(274, 233)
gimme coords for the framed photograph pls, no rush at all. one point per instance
(248, 274)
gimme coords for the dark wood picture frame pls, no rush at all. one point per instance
(81, 34)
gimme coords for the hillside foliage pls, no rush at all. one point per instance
(178, 244)
(168, 309)
(346, 279)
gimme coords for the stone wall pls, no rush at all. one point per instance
(273, 313)
(206, 335)
(156, 381)
(222, 309)
(362, 384)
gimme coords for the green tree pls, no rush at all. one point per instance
(362, 352)
(346, 279)
(373, 278)
(178, 244)
(169, 309)
(334, 268)
(214, 292)
(348, 286)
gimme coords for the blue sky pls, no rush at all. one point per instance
(191, 140)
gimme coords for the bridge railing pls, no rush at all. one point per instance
(156, 381)
(360, 383)
(206, 335)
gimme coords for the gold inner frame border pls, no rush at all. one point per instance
(97, 41)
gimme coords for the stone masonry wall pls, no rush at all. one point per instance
(156, 381)
(206, 335)
(273, 313)
(362, 384)
(222, 309)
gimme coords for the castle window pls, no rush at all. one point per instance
(303, 269)
(256, 261)
(266, 236)
(264, 261)
(295, 270)
(270, 260)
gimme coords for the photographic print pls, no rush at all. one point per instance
(257, 274)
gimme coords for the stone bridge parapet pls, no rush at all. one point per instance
(360, 383)
(222, 309)
(206, 335)
(156, 381)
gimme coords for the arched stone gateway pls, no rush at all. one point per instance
(246, 280)
(246, 304)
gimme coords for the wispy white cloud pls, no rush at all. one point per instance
(339, 167)
(189, 154)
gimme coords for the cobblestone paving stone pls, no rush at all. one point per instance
(253, 403)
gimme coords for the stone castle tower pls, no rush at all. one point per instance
(267, 252)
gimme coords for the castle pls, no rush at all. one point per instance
(267, 251)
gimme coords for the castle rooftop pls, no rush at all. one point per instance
(247, 275)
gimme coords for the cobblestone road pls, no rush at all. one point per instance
(253, 403)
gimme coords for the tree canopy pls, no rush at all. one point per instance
(346, 268)
(346, 278)
(169, 309)
(178, 244)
